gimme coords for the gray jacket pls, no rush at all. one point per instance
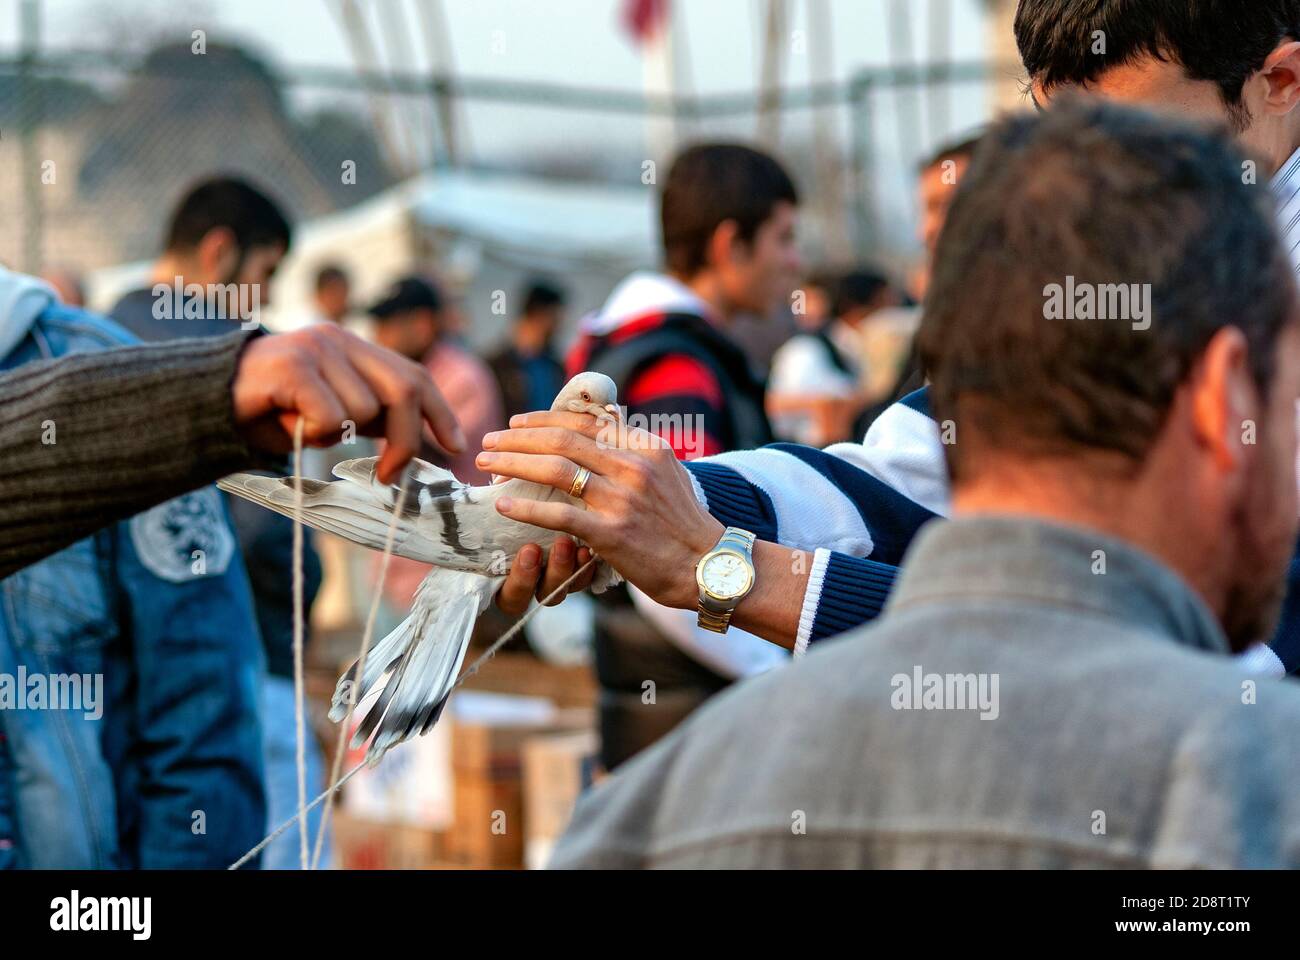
(1025, 701)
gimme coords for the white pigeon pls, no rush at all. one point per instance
(444, 522)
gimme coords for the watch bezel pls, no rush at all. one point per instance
(728, 598)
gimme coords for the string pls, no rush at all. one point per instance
(299, 674)
(346, 724)
(469, 672)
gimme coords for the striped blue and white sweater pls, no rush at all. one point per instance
(856, 507)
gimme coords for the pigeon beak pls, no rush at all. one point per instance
(612, 408)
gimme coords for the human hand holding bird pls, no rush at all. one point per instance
(456, 528)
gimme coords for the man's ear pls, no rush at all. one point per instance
(723, 244)
(1281, 76)
(1224, 398)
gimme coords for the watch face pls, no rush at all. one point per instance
(726, 575)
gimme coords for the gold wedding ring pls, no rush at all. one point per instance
(579, 483)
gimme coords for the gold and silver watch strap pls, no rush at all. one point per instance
(738, 539)
(717, 622)
(715, 615)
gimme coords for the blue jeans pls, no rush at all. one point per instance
(280, 745)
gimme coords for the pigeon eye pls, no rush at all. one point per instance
(586, 397)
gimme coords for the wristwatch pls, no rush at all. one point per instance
(725, 575)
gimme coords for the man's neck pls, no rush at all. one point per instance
(1119, 510)
(708, 288)
(1275, 143)
(170, 267)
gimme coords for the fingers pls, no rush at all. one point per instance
(521, 582)
(327, 376)
(316, 403)
(583, 582)
(559, 567)
(607, 433)
(440, 418)
(552, 471)
(527, 577)
(550, 516)
(358, 399)
(556, 442)
(400, 386)
(408, 398)
(583, 423)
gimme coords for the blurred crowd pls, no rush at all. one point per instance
(847, 357)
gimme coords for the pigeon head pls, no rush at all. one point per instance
(589, 392)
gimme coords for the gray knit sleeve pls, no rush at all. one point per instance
(90, 439)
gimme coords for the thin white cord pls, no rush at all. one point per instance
(299, 670)
(346, 724)
(469, 672)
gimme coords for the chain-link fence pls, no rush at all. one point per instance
(96, 148)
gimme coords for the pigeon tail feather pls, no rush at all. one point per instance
(421, 659)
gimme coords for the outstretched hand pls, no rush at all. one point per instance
(328, 376)
(641, 514)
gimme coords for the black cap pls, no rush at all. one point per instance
(409, 293)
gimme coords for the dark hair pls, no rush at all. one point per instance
(710, 184)
(962, 149)
(228, 202)
(328, 274)
(1093, 193)
(1224, 41)
(541, 295)
(857, 289)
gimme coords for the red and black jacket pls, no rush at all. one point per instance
(692, 384)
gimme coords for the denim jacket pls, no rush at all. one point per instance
(165, 771)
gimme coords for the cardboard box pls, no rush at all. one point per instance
(411, 786)
(557, 768)
(361, 844)
(455, 795)
(488, 733)
(524, 674)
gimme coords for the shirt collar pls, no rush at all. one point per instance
(1286, 192)
(1012, 560)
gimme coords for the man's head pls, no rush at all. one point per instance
(937, 181)
(225, 231)
(543, 311)
(817, 307)
(1234, 62)
(408, 317)
(1112, 337)
(728, 215)
(860, 293)
(333, 292)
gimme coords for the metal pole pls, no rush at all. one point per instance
(828, 159)
(907, 102)
(30, 111)
(940, 45)
(769, 115)
(433, 19)
(864, 205)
